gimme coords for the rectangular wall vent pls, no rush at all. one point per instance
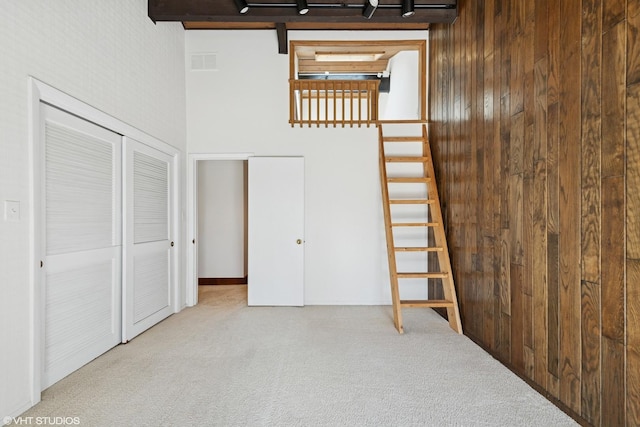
(204, 62)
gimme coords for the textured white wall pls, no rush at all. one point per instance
(221, 218)
(403, 99)
(107, 54)
(244, 107)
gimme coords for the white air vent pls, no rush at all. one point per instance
(204, 62)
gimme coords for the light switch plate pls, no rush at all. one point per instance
(11, 210)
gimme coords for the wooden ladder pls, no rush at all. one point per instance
(426, 177)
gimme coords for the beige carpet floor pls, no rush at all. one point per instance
(225, 364)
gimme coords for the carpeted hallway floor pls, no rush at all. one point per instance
(224, 364)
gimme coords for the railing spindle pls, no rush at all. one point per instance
(370, 92)
(359, 104)
(333, 86)
(326, 104)
(343, 113)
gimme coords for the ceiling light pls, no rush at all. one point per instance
(407, 8)
(302, 7)
(348, 56)
(242, 6)
(369, 8)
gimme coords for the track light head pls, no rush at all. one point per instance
(407, 8)
(302, 7)
(369, 8)
(242, 6)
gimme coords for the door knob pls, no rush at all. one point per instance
(299, 241)
(171, 244)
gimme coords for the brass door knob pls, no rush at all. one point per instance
(299, 241)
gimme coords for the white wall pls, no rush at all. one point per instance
(107, 54)
(403, 100)
(221, 218)
(244, 107)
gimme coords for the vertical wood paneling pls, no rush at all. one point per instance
(591, 212)
(614, 13)
(613, 104)
(540, 101)
(613, 379)
(517, 342)
(569, 177)
(539, 278)
(613, 229)
(633, 50)
(591, 134)
(633, 254)
(633, 342)
(591, 368)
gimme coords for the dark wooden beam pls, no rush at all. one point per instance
(283, 42)
(284, 11)
(313, 26)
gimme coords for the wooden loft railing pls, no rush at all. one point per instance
(333, 102)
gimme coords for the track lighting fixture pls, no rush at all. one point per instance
(302, 7)
(407, 8)
(242, 6)
(369, 8)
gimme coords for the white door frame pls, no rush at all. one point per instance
(191, 242)
(41, 92)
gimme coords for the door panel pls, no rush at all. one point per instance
(81, 274)
(276, 231)
(148, 267)
(150, 272)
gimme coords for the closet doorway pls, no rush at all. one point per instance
(222, 222)
(216, 222)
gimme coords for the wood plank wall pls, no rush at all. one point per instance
(535, 109)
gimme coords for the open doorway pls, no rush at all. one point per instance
(222, 222)
(222, 231)
(216, 198)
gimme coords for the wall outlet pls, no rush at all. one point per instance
(11, 210)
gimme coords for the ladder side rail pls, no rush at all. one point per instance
(393, 271)
(448, 284)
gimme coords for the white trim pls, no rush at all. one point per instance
(41, 92)
(176, 227)
(192, 217)
(35, 233)
(61, 100)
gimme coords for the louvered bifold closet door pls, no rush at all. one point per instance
(148, 259)
(81, 274)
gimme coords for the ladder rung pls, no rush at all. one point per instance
(415, 224)
(418, 249)
(426, 303)
(423, 275)
(406, 159)
(411, 201)
(402, 139)
(409, 180)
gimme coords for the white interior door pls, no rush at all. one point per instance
(276, 231)
(81, 274)
(148, 285)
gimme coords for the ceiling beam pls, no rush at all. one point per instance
(316, 26)
(284, 11)
(283, 42)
